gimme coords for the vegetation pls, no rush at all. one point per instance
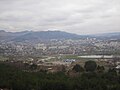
(100, 68)
(78, 68)
(71, 57)
(3, 58)
(16, 79)
(90, 66)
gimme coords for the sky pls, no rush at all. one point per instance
(75, 16)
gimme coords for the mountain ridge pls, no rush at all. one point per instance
(36, 35)
(47, 35)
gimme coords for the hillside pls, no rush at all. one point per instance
(40, 35)
(114, 35)
(48, 35)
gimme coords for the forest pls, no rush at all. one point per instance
(88, 78)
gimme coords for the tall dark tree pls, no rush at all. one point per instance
(33, 66)
(100, 68)
(78, 68)
(90, 66)
(112, 71)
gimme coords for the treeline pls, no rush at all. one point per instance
(87, 79)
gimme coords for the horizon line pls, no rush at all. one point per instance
(99, 33)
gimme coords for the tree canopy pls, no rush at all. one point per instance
(90, 66)
(78, 68)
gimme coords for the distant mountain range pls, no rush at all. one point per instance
(47, 35)
(34, 36)
(114, 35)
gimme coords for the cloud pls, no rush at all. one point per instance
(77, 16)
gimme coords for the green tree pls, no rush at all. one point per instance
(33, 66)
(78, 68)
(100, 68)
(112, 71)
(90, 66)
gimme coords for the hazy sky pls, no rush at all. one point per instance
(77, 16)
